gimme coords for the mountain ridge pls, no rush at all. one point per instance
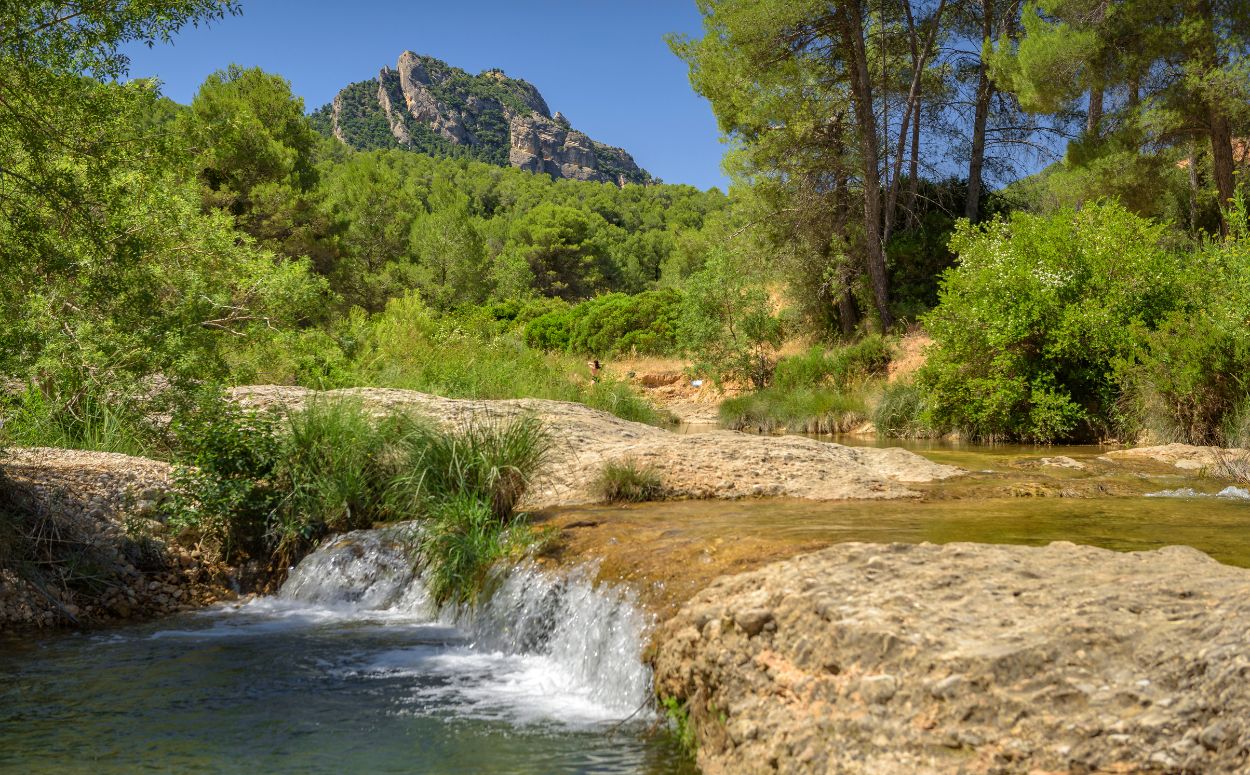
(426, 105)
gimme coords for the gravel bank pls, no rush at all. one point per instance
(85, 544)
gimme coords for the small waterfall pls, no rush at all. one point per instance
(582, 642)
(369, 570)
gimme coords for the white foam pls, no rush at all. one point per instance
(541, 648)
(1228, 493)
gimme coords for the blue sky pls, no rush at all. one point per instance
(604, 64)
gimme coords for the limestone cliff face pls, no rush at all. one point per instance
(426, 105)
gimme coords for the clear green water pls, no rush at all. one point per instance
(302, 689)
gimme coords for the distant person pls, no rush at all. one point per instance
(594, 367)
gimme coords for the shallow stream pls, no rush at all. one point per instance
(350, 668)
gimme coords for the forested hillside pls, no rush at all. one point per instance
(878, 156)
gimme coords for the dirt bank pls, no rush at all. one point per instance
(81, 542)
(719, 464)
(899, 658)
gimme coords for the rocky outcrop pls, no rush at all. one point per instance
(434, 108)
(81, 541)
(1186, 457)
(719, 464)
(969, 658)
(540, 144)
(388, 84)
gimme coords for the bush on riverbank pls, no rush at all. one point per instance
(1087, 324)
(1035, 315)
(262, 487)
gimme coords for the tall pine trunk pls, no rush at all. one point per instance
(851, 19)
(985, 92)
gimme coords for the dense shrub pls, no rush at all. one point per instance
(868, 357)
(610, 325)
(728, 324)
(224, 485)
(1189, 379)
(1036, 314)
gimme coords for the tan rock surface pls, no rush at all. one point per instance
(1184, 456)
(969, 658)
(719, 464)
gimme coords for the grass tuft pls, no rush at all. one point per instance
(629, 481)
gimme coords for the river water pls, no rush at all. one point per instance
(351, 669)
(348, 670)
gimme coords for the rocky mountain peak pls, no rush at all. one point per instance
(426, 105)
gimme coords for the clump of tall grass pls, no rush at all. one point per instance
(628, 480)
(467, 484)
(89, 418)
(900, 412)
(337, 467)
(820, 391)
(839, 367)
(252, 485)
(802, 410)
(494, 461)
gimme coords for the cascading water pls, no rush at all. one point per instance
(350, 668)
(555, 644)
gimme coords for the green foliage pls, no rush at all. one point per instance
(467, 483)
(460, 542)
(251, 485)
(901, 412)
(681, 725)
(1035, 316)
(840, 367)
(628, 480)
(409, 346)
(1188, 379)
(611, 325)
(90, 419)
(728, 324)
(225, 488)
(493, 462)
(798, 410)
(338, 468)
(1192, 381)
